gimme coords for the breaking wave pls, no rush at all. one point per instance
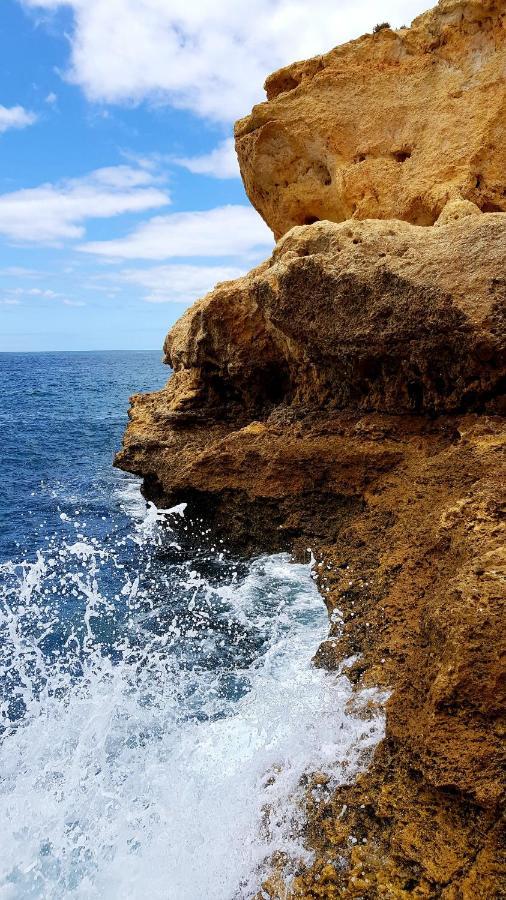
(159, 711)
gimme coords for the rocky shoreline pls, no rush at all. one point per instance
(347, 395)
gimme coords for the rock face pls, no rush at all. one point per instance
(392, 125)
(347, 395)
(377, 315)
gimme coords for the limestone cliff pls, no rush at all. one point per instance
(347, 395)
(392, 125)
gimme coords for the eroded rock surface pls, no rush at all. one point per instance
(347, 395)
(373, 315)
(390, 126)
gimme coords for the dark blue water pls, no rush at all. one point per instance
(158, 706)
(62, 416)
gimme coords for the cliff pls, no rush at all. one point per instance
(392, 125)
(347, 395)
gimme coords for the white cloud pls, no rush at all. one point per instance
(225, 231)
(211, 58)
(33, 292)
(19, 272)
(178, 283)
(53, 212)
(15, 117)
(41, 293)
(220, 163)
(51, 99)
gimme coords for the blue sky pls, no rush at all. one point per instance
(120, 201)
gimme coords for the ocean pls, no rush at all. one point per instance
(158, 706)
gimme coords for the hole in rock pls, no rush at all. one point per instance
(320, 170)
(282, 86)
(420, 214)
(310, 220)
(289, 84)
(401, 156)
(274, 385)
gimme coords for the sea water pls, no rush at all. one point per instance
(159, 710)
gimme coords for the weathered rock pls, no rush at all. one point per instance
(347, 395)
(391, 126)
(371, 315)
(302, 413)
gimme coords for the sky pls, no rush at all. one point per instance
(120, 196)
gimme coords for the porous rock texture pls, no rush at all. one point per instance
(348, 395)
(392, 125)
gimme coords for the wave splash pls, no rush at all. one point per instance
(158, 712)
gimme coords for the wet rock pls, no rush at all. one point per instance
(344, 396)
(348, 396)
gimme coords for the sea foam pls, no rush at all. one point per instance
(158, 717)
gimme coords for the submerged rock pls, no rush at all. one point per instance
(347, 395)
(390, 126)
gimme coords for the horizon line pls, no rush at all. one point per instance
(84, 350)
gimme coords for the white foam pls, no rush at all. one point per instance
(128, 493)
(115, 784)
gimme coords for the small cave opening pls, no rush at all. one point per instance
(289, 83)
(275, 383)
(282, 85)
(310, 220)
(401, 156)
